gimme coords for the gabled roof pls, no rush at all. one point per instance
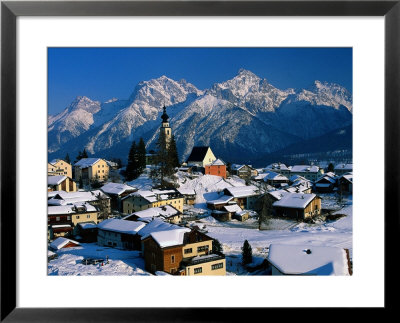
(121, 226)
(295, 200)
(156, 225)
(272, 176)
(170, 238)
(275, 166)
(233, 208)
(61, 242)
(217, 162)
(165, 211)
(116, 188)
(186, 191)
(198, 153)
(305, 169)
(308, 260)
(55, 180)
(87, 162)
(242, 191)
(223, 199)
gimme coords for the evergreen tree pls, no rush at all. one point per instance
(141, 156)
(264, 209)
(216, 246)
(67, 159)
(173, 158)
(84, 153)
(331, 168)
(162, 167)
(247, 253)
(132, 167)
(79, 157)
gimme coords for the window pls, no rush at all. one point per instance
(68, 218)
(189, 250)
(57, 218)
(202, 248)
(88, 216)
(172, 259)
(77, 217)
(198, 270)
(217, 266)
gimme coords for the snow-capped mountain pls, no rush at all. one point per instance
(243, 115)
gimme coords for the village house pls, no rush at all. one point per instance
(229, 212)
(346, 183)
(326, 183)
(188, 194)
(61, 243)
(341, 169)
(279, 168)
(60, 183)
(142, 200)
(59, 167)
(243, 171)
(309, 260)
(91, 169)
(310, 172)
(245, 196)
(62, 219)
(217, 168)
(86, 232)
(219, 203)
(166, 212)
(117, 191)
(275, 179)
(119, 233)
(182, 251)
(96, 198)
(200, 156)
(298, 206)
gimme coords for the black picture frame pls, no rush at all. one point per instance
(10, 10)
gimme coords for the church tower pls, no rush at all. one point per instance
(165, 128)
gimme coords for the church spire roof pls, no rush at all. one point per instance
(164, 116)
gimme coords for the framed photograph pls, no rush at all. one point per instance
(196, 128)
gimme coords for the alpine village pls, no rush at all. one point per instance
(158, 215)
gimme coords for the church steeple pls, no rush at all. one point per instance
(165, 128)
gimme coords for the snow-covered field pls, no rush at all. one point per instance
(335, 233)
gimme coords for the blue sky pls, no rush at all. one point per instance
(104, 73)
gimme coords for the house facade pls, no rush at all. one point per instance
(217, 168)
(91, 169)
(201, 156)
(298, 206)
(142, 200)
(279, 168)
(309, 172)
(59, 167)
(341, 169)
(243, 171)
(60, 183)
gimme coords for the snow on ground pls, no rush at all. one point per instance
(121, 262)
(333, 233)
(143, 182)
(208, 187)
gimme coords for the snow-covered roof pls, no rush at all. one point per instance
(80, 196)
(261, 176)
(55, 180)
(217, 162)
(170, 238)
(295, 200)
(348, 176)
(164, 211)
(186, 191)
(87, 225)
(147, 195)
(121, 226)
(60, 209)
(347, 167)
(242, 191)
(154, 226)
(61, 242)
(223, 199)
(277, 166)
(278, 194)
(87, 162)
(272, 176)
(295, 178)
(295, 260)
(236, 166)
(304, 169)
(116, 188)
(233, 208)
